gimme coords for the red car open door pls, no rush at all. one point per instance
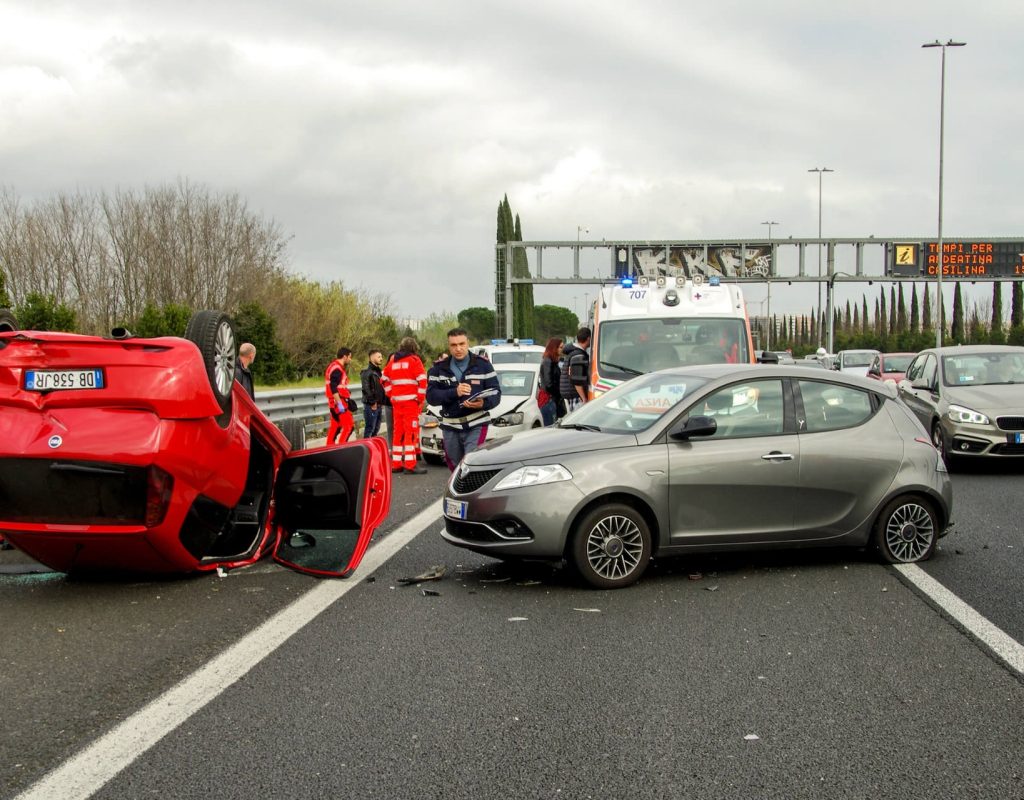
(328, 503)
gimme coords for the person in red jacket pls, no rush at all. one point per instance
(339, 399)
(405, 383)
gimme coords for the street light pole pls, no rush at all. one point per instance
(942, 127)
(768, 319)
(821, 171)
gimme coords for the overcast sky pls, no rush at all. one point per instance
(381, 135)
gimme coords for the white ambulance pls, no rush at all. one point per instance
(646, 324)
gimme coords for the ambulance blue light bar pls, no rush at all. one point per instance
(626, 282)
(714, 280)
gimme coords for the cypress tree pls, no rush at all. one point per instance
(1017, 305)
(848, 320)
(901, 313)
(915, 317)
(956, 332)
(995, 333)
(864, 314)
(883, 320)
(856, 319)
(523, 325)
(926, 311)
(892, 310)
(501, 267)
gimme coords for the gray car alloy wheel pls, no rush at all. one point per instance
(224, 357)
(612, 546)
(214, 335)
(906, 531)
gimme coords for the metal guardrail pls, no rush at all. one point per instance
(309, 405)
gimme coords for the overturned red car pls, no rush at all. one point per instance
(122, 453)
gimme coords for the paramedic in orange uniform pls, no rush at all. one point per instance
(405, 383)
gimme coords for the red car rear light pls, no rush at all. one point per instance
(159, 486)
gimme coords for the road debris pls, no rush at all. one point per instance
(435, 573)
(430, 593)
(752, 737)
(518, 619)
(589, 610)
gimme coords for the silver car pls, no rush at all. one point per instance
(707, 458)
(970, 397)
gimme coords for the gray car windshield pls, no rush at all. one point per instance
(636, 405)
(983, 369)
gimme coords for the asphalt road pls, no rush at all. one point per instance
(516, 682)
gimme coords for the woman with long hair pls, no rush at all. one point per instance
(548, 396)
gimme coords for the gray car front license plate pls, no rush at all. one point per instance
(455, 508)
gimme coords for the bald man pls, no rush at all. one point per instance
(246, 355)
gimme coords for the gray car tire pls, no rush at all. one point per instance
(214, 335)
(7, 321)
(939, 440)
(294, 430)
(907, 530)
(611, 546)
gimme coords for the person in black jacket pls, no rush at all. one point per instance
(550, 378)
(576, 373)
(246, 355)
(373, 394)
(466, 387)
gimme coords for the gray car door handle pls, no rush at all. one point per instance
(775, 455)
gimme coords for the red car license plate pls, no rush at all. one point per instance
(49, 380)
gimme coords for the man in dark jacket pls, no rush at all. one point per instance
(373, 394)
(466, 387)
(246, 355)
(576, 375)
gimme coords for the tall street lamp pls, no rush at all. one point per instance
(580, 229)
(768, 319)
(942, 126)
(821, 171)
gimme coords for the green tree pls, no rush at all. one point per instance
(522, 293)
(1016, 305)
(42, 312)
(169, 320)
(5, 299)
(432, 336)
(864, 323)
(915, 316)
(996, 334)
(552, 321)
(386, 335)
(926, 312)
(883, 320)
(901, 313)
(956, 332)
(253, 324)
(479, 322)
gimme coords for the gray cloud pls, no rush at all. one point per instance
(382, 135)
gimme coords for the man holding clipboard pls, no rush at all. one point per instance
(466, 387)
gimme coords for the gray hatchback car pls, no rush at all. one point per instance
(705, 458)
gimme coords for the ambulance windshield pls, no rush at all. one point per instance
(634, 346)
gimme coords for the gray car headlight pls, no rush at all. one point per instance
(514, 418)
(966, 415)
(534, 476)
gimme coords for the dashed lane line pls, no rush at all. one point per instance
(87, 772)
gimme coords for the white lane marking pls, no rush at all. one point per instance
(88, 771)
(1003, 645)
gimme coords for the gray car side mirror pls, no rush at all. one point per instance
(694, 426)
